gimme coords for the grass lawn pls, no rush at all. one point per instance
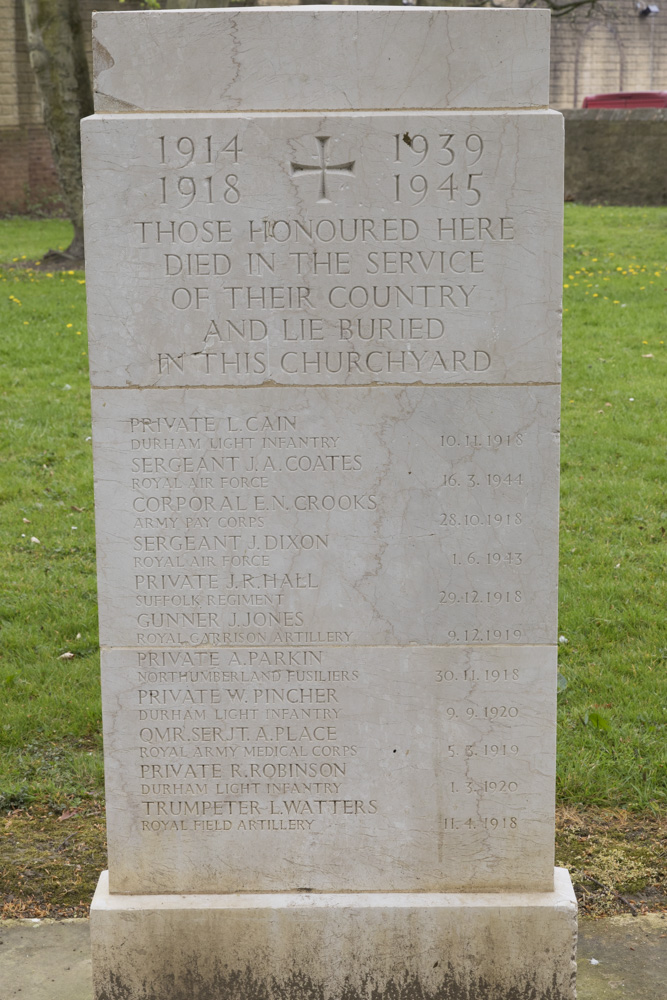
(613, 650)
(613, 584)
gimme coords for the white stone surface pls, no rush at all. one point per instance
(266, 59)
(348, 249)
(330, 769)
(353, 945)
(324, 279)
(334, 516)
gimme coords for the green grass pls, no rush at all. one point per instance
(613, 584)
(49, 708)
(27, 239)
(614, 520)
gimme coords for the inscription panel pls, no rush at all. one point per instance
(330, 768)
(325, 352)
(324, 249)
(367, 516)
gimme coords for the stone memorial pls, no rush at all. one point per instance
(324, 277)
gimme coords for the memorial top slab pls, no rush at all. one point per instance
(320, 59)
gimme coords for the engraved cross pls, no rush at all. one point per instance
(324, 168)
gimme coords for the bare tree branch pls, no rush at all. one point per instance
(557, 8)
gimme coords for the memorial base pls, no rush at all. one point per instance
(306, 946)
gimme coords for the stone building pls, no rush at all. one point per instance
(611, 49)
(615, 48)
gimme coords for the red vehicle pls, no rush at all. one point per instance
(630, 99)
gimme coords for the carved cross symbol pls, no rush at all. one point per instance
(324, 168)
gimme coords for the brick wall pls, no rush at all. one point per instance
(26, 165)
(612, 49)
(9, 113)
(29, 179)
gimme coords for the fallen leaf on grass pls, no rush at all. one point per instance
(79, 510)
(68, 814)
(35, 540)
(66, 656)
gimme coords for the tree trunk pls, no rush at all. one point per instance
(58, 58)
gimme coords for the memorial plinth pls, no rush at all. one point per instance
(323, 272)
